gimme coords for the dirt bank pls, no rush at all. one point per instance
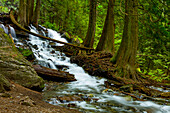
(23, 100)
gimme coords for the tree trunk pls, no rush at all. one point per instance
(125, 58)
(22, 13)
(89, 40)
(106, 42)
(30, 9)
(28, 12)
(36, 13)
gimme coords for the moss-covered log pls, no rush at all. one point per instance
(25, 30)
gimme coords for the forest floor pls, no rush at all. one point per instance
(23, 100)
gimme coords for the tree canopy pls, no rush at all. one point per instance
(73, 17)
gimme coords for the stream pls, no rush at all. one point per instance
(88, 93)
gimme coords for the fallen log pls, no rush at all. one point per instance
(53, 74)
(27, 31)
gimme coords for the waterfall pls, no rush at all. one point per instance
(4, 28)
(85, 83)
(54, 35)
(12, 31)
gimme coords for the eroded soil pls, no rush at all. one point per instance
(23, 100)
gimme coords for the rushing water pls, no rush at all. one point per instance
(86, 86)
(4, 28)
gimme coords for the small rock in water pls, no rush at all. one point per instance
(63, 58)
(90, 95)
(165, 94)
(52, 51)
(69, 98)
(128, 98)
(71, 105)
(35, 47)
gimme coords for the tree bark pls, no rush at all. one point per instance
(22, 13)
(31, 13)
(30, 9)
(106, 42)
(36, 13)
(89, 40)
(125, 58)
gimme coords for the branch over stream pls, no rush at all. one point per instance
(25, 30)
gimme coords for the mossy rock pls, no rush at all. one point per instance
(4, 84)
(14, 66)
(28, 54)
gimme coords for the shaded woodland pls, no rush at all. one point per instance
(125, 41)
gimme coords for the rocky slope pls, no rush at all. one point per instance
(13, 65)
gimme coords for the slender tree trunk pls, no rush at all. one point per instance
(36, 13)
(89, 40)
(106, 42)
(28, 11)
(22, 13)
(125, 58)
(31, 12)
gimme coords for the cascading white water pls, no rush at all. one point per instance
(4, 28)
(85, 83)
(12, 31)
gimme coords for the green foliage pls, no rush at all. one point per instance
(73, 16)
(3, 9)
(155, 66)
(154, 39)
(69, 16)
(158, 75)
(51, 25)
(5, 5)
(25, 52)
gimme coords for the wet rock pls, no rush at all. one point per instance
(165, 94)
(4, 84)
(27, 53)
(35, 47)
(86, 98)
(53, 44)
(52, 52)
(15, 67)
(128, 98)
(67, 37)
(71, 105)
(61, 67)
(69, 98)
(63, 58)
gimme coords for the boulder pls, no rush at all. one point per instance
(4, 84)
(15, 67)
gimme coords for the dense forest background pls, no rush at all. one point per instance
(72, 17)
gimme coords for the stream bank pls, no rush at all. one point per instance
(88, 93)
(98, 64)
